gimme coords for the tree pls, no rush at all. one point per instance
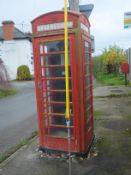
(113, 57)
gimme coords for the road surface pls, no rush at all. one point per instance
(18, 118)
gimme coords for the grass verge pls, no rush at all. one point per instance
(112, 79)
(12, 150)
(6, 93)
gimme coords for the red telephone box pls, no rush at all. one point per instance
(48, 46)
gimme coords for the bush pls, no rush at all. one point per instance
(98, 67)
(101, 74)
(23, 73)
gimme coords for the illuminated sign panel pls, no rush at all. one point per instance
(53, 26)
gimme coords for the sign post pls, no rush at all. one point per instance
(125, 79)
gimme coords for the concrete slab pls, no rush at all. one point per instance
(29, 161)
(109, 90)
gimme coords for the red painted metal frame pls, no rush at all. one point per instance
(82, 138)
(88, 131)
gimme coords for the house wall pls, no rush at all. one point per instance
(15, 53)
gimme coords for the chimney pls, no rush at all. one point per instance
(8, 30)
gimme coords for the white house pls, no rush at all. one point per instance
(15, 48)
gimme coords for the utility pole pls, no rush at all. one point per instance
(74, 5)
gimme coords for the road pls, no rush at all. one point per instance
(17, 116)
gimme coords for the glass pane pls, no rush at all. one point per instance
(56, 72)
(41, 49)
(89, 124)
(58, 108)
(45, 109)
(88, 102)
(87, 58)
(61, 132)
(88, 92)
(43, 72)
(57, 84)
(58, 120)
(42, 61)
(88, 115)
(58, 96)
(87, 80)
(87, 67)
(54, 46)
(88, 112)
(56, 59)
(46, 124)
(86, 46)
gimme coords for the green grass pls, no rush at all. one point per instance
(97, 115)
(6, 93)
(112, 79)
(17, 147)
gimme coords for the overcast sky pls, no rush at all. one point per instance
(106, 19)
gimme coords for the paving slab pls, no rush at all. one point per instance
(101, 91)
